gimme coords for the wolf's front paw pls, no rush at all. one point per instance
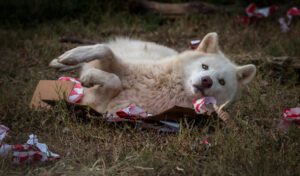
(87, 79)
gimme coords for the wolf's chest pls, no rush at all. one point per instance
(154, 89)
(152, 99)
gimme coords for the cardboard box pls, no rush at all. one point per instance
(49, 92)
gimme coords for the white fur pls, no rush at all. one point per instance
(154, 77)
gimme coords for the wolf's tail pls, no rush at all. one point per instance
(62, 67)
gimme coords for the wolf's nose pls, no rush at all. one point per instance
(206, 82)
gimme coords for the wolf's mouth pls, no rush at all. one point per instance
(198, 89)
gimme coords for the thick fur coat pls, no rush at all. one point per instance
(152, 76)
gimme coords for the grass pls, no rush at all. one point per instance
(96, 148)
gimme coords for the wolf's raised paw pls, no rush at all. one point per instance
(83, 54)
(76, 55)
(87, 79)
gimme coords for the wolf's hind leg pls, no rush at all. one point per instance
(85, 54)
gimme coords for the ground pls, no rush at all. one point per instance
(96, 148)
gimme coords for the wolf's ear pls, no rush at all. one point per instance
(210, 43)
(246, 73)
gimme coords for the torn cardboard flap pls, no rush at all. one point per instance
(49, 90)
(176, 112)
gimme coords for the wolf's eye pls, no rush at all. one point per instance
(222, 82)
(205, 67)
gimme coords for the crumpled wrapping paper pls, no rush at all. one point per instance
(31, 151)
(205, 105)
(77, 92)
(290, 116)
(286, 22)
(254, 13)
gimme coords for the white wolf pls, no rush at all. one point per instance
(152, 76)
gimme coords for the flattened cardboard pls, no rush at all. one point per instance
(49, 90)
(76, 107)
(175, 113)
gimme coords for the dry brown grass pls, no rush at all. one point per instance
(96, 148)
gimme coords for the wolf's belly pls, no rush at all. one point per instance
(152, 102)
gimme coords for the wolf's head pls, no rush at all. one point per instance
(210, 73)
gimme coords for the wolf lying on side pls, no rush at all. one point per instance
(152, 76)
